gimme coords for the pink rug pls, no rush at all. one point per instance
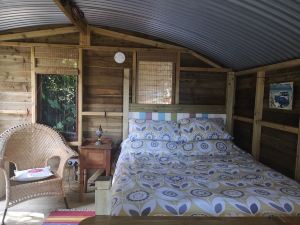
(67, 217)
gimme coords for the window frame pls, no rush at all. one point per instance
(38, 102)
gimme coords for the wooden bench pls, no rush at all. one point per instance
(167, 220)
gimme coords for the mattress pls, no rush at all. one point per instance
(204, 178)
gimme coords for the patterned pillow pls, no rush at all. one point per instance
(197, 129)
(153, 130)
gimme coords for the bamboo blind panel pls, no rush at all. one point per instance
(157, 56)
(154, 84)
(60, 61)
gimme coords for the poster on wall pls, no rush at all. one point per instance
(281, 96)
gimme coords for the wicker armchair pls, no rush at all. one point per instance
(32, 146)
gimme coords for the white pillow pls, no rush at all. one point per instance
(32, 174)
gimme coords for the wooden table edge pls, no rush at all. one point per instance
(191, 220)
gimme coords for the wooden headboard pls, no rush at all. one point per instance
(174, 111)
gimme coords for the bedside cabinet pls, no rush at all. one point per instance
(94, 157)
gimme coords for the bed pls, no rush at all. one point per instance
(205, 176)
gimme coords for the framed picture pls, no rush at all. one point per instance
(281, 96)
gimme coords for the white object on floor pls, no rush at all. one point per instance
(103, 196)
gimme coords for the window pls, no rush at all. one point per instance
(155, 81)
(57, 108)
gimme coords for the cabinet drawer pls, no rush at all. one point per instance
(93, 158)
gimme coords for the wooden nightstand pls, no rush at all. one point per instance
(94, 157)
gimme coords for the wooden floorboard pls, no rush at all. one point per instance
(166, 220)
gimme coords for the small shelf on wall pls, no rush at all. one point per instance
(105, 114)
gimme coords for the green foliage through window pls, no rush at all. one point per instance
(57, 103)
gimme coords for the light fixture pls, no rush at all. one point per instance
(119, 57)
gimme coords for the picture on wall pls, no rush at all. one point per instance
(281, 96)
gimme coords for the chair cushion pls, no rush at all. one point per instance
(33, 174)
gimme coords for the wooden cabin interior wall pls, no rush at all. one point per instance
(272, 136)
(15, 86)
(278, 143)
(195, 81)
(244, 107)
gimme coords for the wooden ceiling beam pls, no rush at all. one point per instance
(204, 59)
(153, 43)
(282, 65)
(35, 44)
(66, 7)
(88, 47)
(131, 38)
(38, 33)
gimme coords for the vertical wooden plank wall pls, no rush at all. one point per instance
(100, 79)
(103, 93)
(276, 132)
(15, 86)
(281, 127)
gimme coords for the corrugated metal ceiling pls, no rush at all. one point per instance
(236, 33)
(27, 13)
(239, 34)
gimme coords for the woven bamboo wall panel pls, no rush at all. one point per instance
(54, 52)
(157, 56)
(61, 61)
(155, 81)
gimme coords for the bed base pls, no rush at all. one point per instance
(180, 220)
(103, 195)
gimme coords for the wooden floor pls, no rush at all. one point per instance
(160, 220)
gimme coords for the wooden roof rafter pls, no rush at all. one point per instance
(75, 15)
(276, 66)
(153, 43)
(131, 38)
(39, 33)
(204, 59)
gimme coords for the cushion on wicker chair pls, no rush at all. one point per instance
(32, 174)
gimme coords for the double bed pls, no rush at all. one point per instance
(167, 175)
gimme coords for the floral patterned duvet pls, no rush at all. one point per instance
(205, 178)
